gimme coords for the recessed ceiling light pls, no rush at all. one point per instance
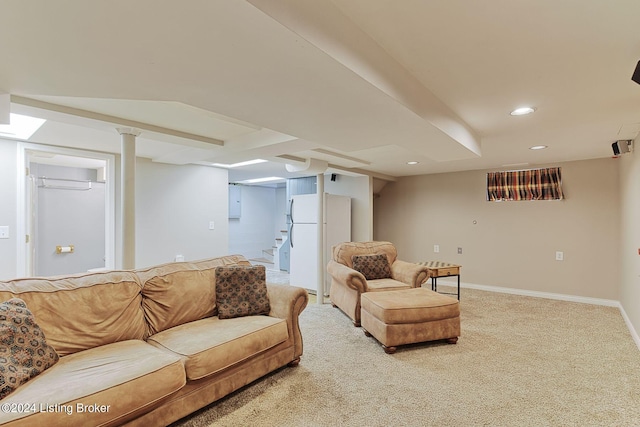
(413, 163)
(21, 127)
(522, 111)
(257, 180)
(538, 147)
(236, 165)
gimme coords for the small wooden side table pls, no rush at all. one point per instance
(442, 269)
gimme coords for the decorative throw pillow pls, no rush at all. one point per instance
(372, 266)
(241, 291)
(24, 352)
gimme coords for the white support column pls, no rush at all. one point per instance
(5, 108)
(321, 220)
(370, 214)
(128, 195)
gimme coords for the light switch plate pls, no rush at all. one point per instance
(4, 232)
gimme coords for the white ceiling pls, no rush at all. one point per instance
(366, 85)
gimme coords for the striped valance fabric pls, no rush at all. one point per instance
(533, 184)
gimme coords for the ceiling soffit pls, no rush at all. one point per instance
(323, 25)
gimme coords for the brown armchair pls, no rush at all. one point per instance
(347, 283)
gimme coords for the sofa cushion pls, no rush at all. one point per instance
(112, 384)
(83, 311)
(372, 266)
(386, 285)
(24, 352)
(415, 305)
(181, 292)
(241, 291)
(211, 345)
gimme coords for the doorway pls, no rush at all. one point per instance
(69, 211)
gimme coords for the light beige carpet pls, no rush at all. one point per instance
(520, 361)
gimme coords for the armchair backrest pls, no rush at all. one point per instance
(343, 252)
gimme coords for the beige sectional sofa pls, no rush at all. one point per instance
(146, 347)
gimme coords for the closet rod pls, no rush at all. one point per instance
(61, 187)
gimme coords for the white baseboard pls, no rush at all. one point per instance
(537, 294)
(550, 295)
(634, 334)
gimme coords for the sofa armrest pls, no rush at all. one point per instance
(409, 273)
(287, 302)
(346, 276)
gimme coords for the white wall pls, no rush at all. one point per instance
(513, 244)
(630, 241)
(174, 205)
(280, 212)
(255, 230)
(8, 208)
(361, 193)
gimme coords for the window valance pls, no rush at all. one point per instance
(533, 184)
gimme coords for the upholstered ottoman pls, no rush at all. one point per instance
(410, 316)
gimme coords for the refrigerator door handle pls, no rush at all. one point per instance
(291, 235)
(291, 209)
(291, 227)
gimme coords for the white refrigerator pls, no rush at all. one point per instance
(303, 236)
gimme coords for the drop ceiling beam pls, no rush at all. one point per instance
(118, 121)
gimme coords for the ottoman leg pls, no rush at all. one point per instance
(389, 350)
(452, 340)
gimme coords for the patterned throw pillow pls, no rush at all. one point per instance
(24, 352)
(372, 266)
(241, 291)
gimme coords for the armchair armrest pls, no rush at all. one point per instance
(287, 302)
(409, 273)
(346, 276)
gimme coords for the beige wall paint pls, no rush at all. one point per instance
(630, 240)
(512, 244)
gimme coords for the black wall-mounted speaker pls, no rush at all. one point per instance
(636, 74)
(333, 176)
(621, 146)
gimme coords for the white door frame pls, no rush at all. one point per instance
(23, 247)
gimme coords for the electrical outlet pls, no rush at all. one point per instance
(559, 256)
(4, 232)
(212, 225)
(436, 248)
(459, 251)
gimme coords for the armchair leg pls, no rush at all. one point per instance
(452, 340)
(356, 324)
